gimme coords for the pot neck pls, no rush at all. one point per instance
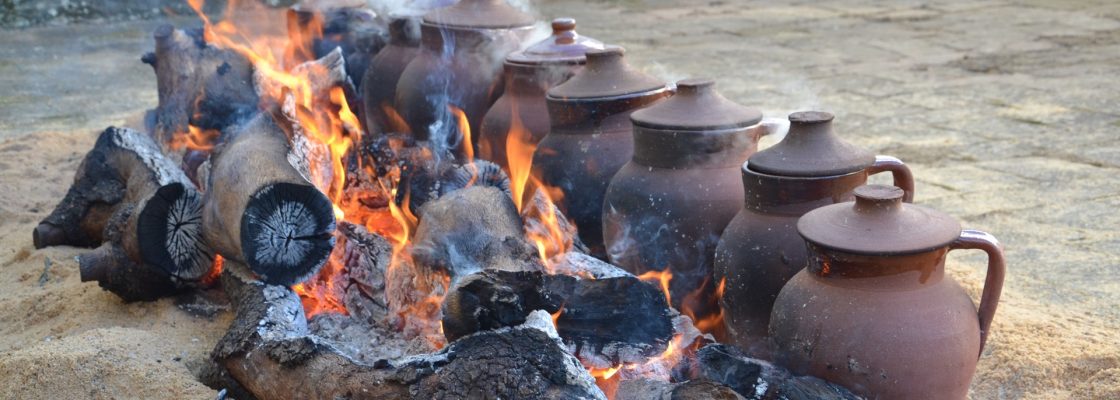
(711, 149)
(877, 272)
(450, 39)
(795, 196)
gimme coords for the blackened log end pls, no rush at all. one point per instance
(169, 231)
(287, 232)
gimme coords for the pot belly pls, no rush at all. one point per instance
(882, 344)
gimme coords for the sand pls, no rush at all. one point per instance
(1008, 123)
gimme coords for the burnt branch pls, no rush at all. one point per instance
(621, 319)
(199, 84)
(471, 230)
(135, 203)
(761, 380)
(260, 211)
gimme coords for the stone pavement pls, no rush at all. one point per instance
(1008, 113)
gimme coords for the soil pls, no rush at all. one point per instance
(1005, 112)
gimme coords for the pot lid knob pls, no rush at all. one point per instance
(565, 46)
(480, 14)
(811, 149)
(878, 199)
(697, 106)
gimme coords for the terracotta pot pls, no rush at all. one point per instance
(379, 85)
(666, 208)
(760, 250)
(462, 48)
(874, 311)
(528, 76)
(590, 136)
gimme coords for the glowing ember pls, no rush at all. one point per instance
(195, 139)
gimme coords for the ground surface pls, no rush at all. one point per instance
(1008, 113)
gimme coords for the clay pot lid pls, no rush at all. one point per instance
(479, 14)
(811, 149)
(606, 75)
(696, 106)
(878, 223)
(565, 46)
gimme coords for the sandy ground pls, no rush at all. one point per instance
(1007, 113)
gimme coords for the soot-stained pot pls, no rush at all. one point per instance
(590, 137)
(760, 250)
(379, 85)
(874, 310)
(459, 65)
(666, 208)
(528, 74)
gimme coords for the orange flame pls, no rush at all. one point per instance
(534, 200)
(468, 143)
(195, 139)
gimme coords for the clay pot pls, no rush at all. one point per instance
(528, 76)
(590, 136)
(462, 48)
(379, 85)
(874, 311)
(666, 208)
(760, 250)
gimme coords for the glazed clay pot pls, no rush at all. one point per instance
(461, 53)
(760, 250)
(666, 208)
(528, 75)
(874, 311)
(590, 136)
(379, 85)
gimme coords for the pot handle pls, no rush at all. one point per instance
(993, 284)
(901, 173)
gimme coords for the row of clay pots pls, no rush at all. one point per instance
(853, 292)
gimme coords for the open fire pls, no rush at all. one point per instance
(440, 248)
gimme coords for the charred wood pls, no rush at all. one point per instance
(470, 230)
(260, 211)
(621, 318)
(269, 352)
(757, 379)
(128, 195)
(199, 84)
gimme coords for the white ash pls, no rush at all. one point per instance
(364, 342)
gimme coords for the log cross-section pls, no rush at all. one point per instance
(260, 211)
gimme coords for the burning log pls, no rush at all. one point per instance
(199, 84)
(471, 230)
(260, 211)
(270, 353)
(761, 380)
(621, 319)
(140, 207)
(428, 181)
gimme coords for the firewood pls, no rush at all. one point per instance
(199, 84)
(260, 211)
(269, 351)
(426, 181)
(621, 318)
(116, 272)
(162, 230)
(470, 230)
(760, 380)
